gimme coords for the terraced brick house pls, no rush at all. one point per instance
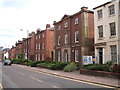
(26, 47)
(18, 49)
(44, 44)
(12, 52)
(74, 36)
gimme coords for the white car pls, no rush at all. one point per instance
(7, 62)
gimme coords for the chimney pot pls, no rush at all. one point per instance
(38, 30)
(47, 26)
(84, 8)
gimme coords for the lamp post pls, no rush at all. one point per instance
(26, 50)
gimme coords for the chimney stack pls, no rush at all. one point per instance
(47, 26)
(38, 30)
(84, 8)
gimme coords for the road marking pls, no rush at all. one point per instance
(35, 79)
(1, 87)
(71, 79)
(74, 80)
(87, 82)
(55, 86)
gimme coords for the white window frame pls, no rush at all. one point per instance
(112, 29)
(59, 40)
(36, 57)
(36, 47)
(59, 27)
(76, 37)
(100, 31)
(43, 35)
(65, 24)
(66, 38)
(42, 57)
(39, 45)
(43, 46)
(76, 55)
(114, 53)
(76, 21)
(59, 56)
(111, 10)
(39, 57)
(36, 37)
(100, 14)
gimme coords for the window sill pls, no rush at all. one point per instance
(112, 15)
(100, 19)
(65, 27)
(76, 41)
(101, 38)
(76, 24)
(112, 37)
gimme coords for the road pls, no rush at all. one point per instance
(19, 77)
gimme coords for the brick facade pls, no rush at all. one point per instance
(32, 46)
(18, 48)
(12, 52)
(44, 43)
(26, 47)
(79, 25)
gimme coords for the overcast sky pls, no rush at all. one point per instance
(33, 14)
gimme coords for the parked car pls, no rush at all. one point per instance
(7, 62)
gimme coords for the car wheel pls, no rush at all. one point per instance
(5, 64)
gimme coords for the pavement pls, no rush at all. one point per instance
(77, 76)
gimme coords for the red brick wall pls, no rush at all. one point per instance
(71, 33)
(12, 53)
(32, 46)
(48, 41)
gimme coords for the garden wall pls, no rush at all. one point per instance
(100, 73)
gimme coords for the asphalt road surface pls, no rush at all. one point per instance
(18, 77)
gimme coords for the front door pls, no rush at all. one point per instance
(101, 55)
(66, 55)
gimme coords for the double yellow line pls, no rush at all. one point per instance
(87, 82)
(95, 84)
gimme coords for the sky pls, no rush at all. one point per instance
(33, 14)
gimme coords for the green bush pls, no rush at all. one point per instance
(26, 63)
(57, 65)
(99, 67)
(89, 65)
(78, 65)
(109, 63)
(34, 63)
(106, 68)
(16, 60)
(70, 67)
